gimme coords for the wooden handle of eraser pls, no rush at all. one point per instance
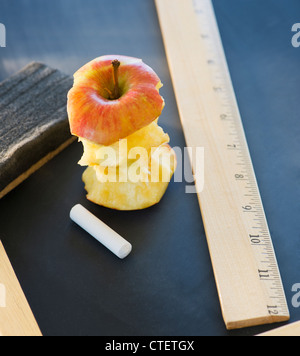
(292, 329)
(16, 317)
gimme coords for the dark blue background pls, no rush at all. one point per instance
(166, 286)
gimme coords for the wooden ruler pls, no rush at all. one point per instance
(292, 329)
(240, 245)
(16, 318)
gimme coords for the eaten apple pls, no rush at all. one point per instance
(112, 97)
(114, 107)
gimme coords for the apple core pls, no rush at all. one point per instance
(116, 93)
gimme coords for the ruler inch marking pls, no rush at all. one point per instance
(211, 119)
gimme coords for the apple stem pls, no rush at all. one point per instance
(110, 94)
(116, 64)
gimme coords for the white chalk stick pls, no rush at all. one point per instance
(100, 231)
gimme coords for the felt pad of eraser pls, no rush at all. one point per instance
(34, 123)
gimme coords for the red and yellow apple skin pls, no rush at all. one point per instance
(94, 116)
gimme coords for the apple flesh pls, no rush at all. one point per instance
(105, 188)
(98, 114)
(132, 195)
(147, 137)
